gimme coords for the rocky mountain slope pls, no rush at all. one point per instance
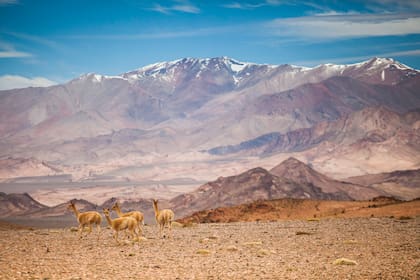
(18, 204)
(371, 125)
(292, 178)
(187, 119)
(401, 184)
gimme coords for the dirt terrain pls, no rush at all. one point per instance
(375, 248)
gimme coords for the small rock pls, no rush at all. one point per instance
(263, 252)
(204, 240)
(252, 243)
(232, 248)
(344, 261)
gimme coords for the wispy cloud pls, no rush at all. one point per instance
(251, 6)
(8, 2)
(13, 54)
(336, 26)
(162, 34)
(391, 6)
(8, 51)
(32, 39)
(401, 53)
(180, 6)
(13, 81)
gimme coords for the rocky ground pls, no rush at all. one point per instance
(376, 248)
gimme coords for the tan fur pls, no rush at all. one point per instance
(122, 223)
(164, 218)
(134, 214)
(86, 219)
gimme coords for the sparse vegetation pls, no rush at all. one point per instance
(304, 233)
(378, 247)
(203, 252)
(405, 218)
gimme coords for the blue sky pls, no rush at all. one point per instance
(52, 41)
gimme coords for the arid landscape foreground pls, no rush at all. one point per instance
(373, 248)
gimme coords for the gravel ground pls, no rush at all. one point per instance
(381, 248)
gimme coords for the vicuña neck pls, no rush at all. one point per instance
(118, 210)
(76, 212)
(155, 207)
(108, 220)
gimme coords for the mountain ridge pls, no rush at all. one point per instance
(290, 179)
(171, 112)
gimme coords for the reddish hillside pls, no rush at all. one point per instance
(292, 179)
(294, 209)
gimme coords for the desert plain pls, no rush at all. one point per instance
(372, 248)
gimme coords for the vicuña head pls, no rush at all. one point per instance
(86, 219)
(164, 218)
(121, 223)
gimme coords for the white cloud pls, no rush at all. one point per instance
(181, 7)
(164, 34)
(32, 38)
(251, 6)
(13, 54)
(14, 81)
(7, 50)
(8, 2)
(338, 26)
(392, 5)
(186, 9)
(346, 26)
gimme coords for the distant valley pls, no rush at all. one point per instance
(290, 179)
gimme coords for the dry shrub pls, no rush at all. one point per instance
(303, 233)
(401, 218)
(177, 225)
(189, 224)
(203, 252)
(252, 243)
(204, 240)
(263, 252)
(232, 248)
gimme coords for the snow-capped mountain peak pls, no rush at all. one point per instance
(169, 71)
(94, 78)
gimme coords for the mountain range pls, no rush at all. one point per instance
(198, 119)
(291, 179)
